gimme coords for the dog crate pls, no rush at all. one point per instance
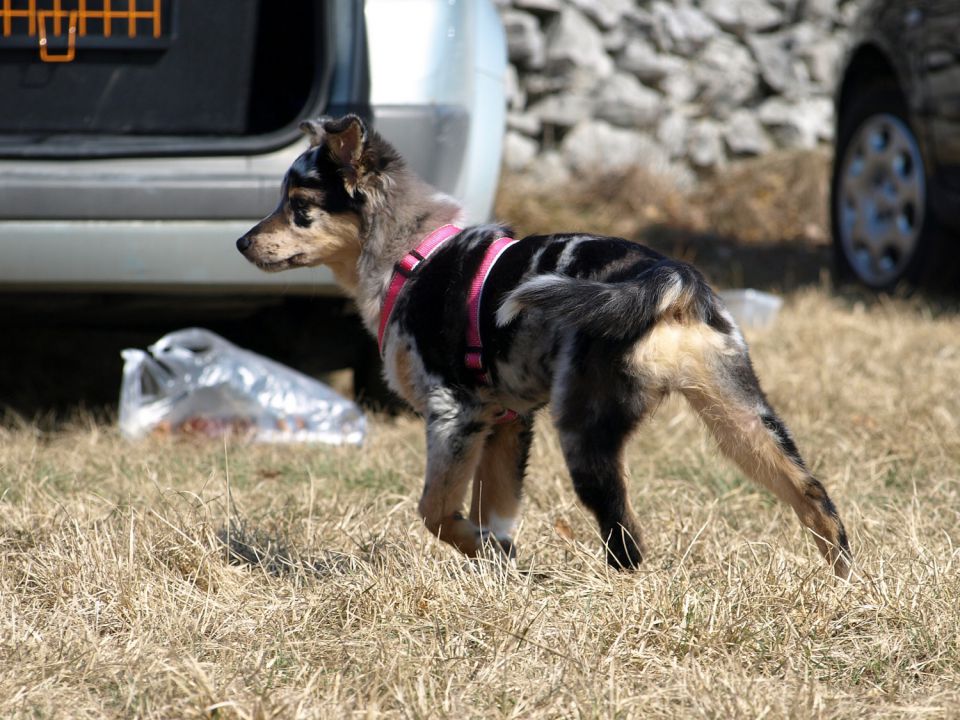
(152, 67)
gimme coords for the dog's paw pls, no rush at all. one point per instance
(498, 547)
(624, 552)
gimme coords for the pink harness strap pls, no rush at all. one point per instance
(404, 269)
(474, 357)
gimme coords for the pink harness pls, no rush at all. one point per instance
(403, 271)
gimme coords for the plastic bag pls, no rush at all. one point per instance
(194, 381)
(751, 308)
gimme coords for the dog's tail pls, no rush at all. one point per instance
(615, 310)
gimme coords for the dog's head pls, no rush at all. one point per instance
(324, 194)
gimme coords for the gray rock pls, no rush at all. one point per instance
(822, 58)
(605, 13)
(672, 134)
(798, 123)
(822, 12)
(790, 8)
(727, 75)
(537, 84)
(803, 33)
(705, 144)
(622, 80)
(595, 146)
(562, 110)
(615, 39)
(640, 22)
(780, 66)
(549, 169)
(849, 12)
(745, 135)
(539, 7)
(822, 110)
(574, 43)
(681, 29)
(743, 16)
(623, 101)
(681, 87)
(526, 45)
(680, 174)
(524, 123)
(643, 60)
(518, 151)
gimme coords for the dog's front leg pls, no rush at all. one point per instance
(498, 482)
(456, 433)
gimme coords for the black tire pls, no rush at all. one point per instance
(922, 263)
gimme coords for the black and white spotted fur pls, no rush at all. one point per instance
(598, 327)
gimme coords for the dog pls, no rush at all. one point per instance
(478, 330)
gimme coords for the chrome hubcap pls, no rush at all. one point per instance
(881, 199)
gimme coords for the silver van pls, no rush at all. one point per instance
(138, 140)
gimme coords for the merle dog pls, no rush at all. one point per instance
(479, 330)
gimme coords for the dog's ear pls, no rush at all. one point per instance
(340, 133)
(347, 139)
(363, 157)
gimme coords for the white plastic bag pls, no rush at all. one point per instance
(751, 308)
(194, 381)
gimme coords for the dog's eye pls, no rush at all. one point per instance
(298, 205)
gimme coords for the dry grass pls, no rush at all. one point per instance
(776, 198)
(760, 223)
(116, 599)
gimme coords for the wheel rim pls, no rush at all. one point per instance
(881, 200)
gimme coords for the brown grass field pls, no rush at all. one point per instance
(118, 598)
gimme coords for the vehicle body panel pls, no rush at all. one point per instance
(167, 222)
(941, 71)
(918, 44)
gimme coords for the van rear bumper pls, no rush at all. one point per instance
(142, 256)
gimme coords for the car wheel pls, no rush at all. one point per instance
(884, 233)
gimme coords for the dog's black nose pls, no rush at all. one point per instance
(243, 243)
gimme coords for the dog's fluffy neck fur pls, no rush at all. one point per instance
(395, 219)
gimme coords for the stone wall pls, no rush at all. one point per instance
(679, 86)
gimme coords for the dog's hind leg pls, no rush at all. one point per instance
(714, 372)
(456, 435)
(596, 406)
(498, 481)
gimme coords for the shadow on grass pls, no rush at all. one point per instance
(728, 263)
(785, 267)
(257, 549)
